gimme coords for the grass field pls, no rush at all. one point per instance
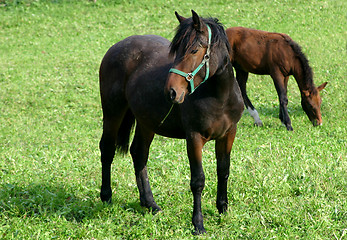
(282, 185)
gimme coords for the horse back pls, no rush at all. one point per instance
(124, 59)
(259, 51)
(132, 52)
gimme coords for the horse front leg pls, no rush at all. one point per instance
(223, 148)
(284, 116)
(281, 87)
(197, 182)
(139, 151)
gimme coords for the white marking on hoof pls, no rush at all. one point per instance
(255, 116)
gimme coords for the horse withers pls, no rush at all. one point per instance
(137, 79)
(277, 55)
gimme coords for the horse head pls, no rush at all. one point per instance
(201, 48)
(311, 103)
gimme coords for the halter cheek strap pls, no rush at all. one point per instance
(190, 76)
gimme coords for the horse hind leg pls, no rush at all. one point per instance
(139, 151)
(110, 141)
(241, 77)
(107, 149)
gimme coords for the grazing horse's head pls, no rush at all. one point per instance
(201, 48)
(310, 102)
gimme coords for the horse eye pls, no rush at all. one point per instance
(194, 51)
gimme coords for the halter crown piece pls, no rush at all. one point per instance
(190, 76)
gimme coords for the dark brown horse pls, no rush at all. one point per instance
(133, 75)
(277, 55)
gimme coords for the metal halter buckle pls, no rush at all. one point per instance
(189, 77)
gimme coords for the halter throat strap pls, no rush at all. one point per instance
(190, 76)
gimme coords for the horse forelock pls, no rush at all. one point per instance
(184, 39)
(187, 37)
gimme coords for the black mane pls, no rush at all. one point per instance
(185, 32)
(306, 69)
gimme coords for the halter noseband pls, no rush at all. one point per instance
(190, 76)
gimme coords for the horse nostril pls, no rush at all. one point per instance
(172, 94)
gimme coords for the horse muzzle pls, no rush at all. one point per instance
(174, 97)
(317, 122)
(176, 89)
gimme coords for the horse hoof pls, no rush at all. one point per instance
(155, 210)
(222, 207)
(106, 200)
(153, 207)
(106, 196)
(289, 128)
(199, 231)
(258, 124)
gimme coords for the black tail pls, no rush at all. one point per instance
(306, 69)
(123, 137)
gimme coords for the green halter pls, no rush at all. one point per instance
(190, 76)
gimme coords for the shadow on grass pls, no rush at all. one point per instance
(136, 207)
(44, 200)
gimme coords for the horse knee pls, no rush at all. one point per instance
(139, 159)
(197, 184)
(283, 100)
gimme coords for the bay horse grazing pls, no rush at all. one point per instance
(133, 76)
(277, 55)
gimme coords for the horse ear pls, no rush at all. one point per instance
(196, 21)
(179, 17)
(322, 86)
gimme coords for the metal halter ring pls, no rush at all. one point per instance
(189, 77)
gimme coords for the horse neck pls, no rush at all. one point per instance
(223, 82)
(303, 79)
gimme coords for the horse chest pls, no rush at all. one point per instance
(212, 121)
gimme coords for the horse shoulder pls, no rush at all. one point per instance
(234, 37)
(280, 53)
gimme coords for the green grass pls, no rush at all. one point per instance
(283, 185)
